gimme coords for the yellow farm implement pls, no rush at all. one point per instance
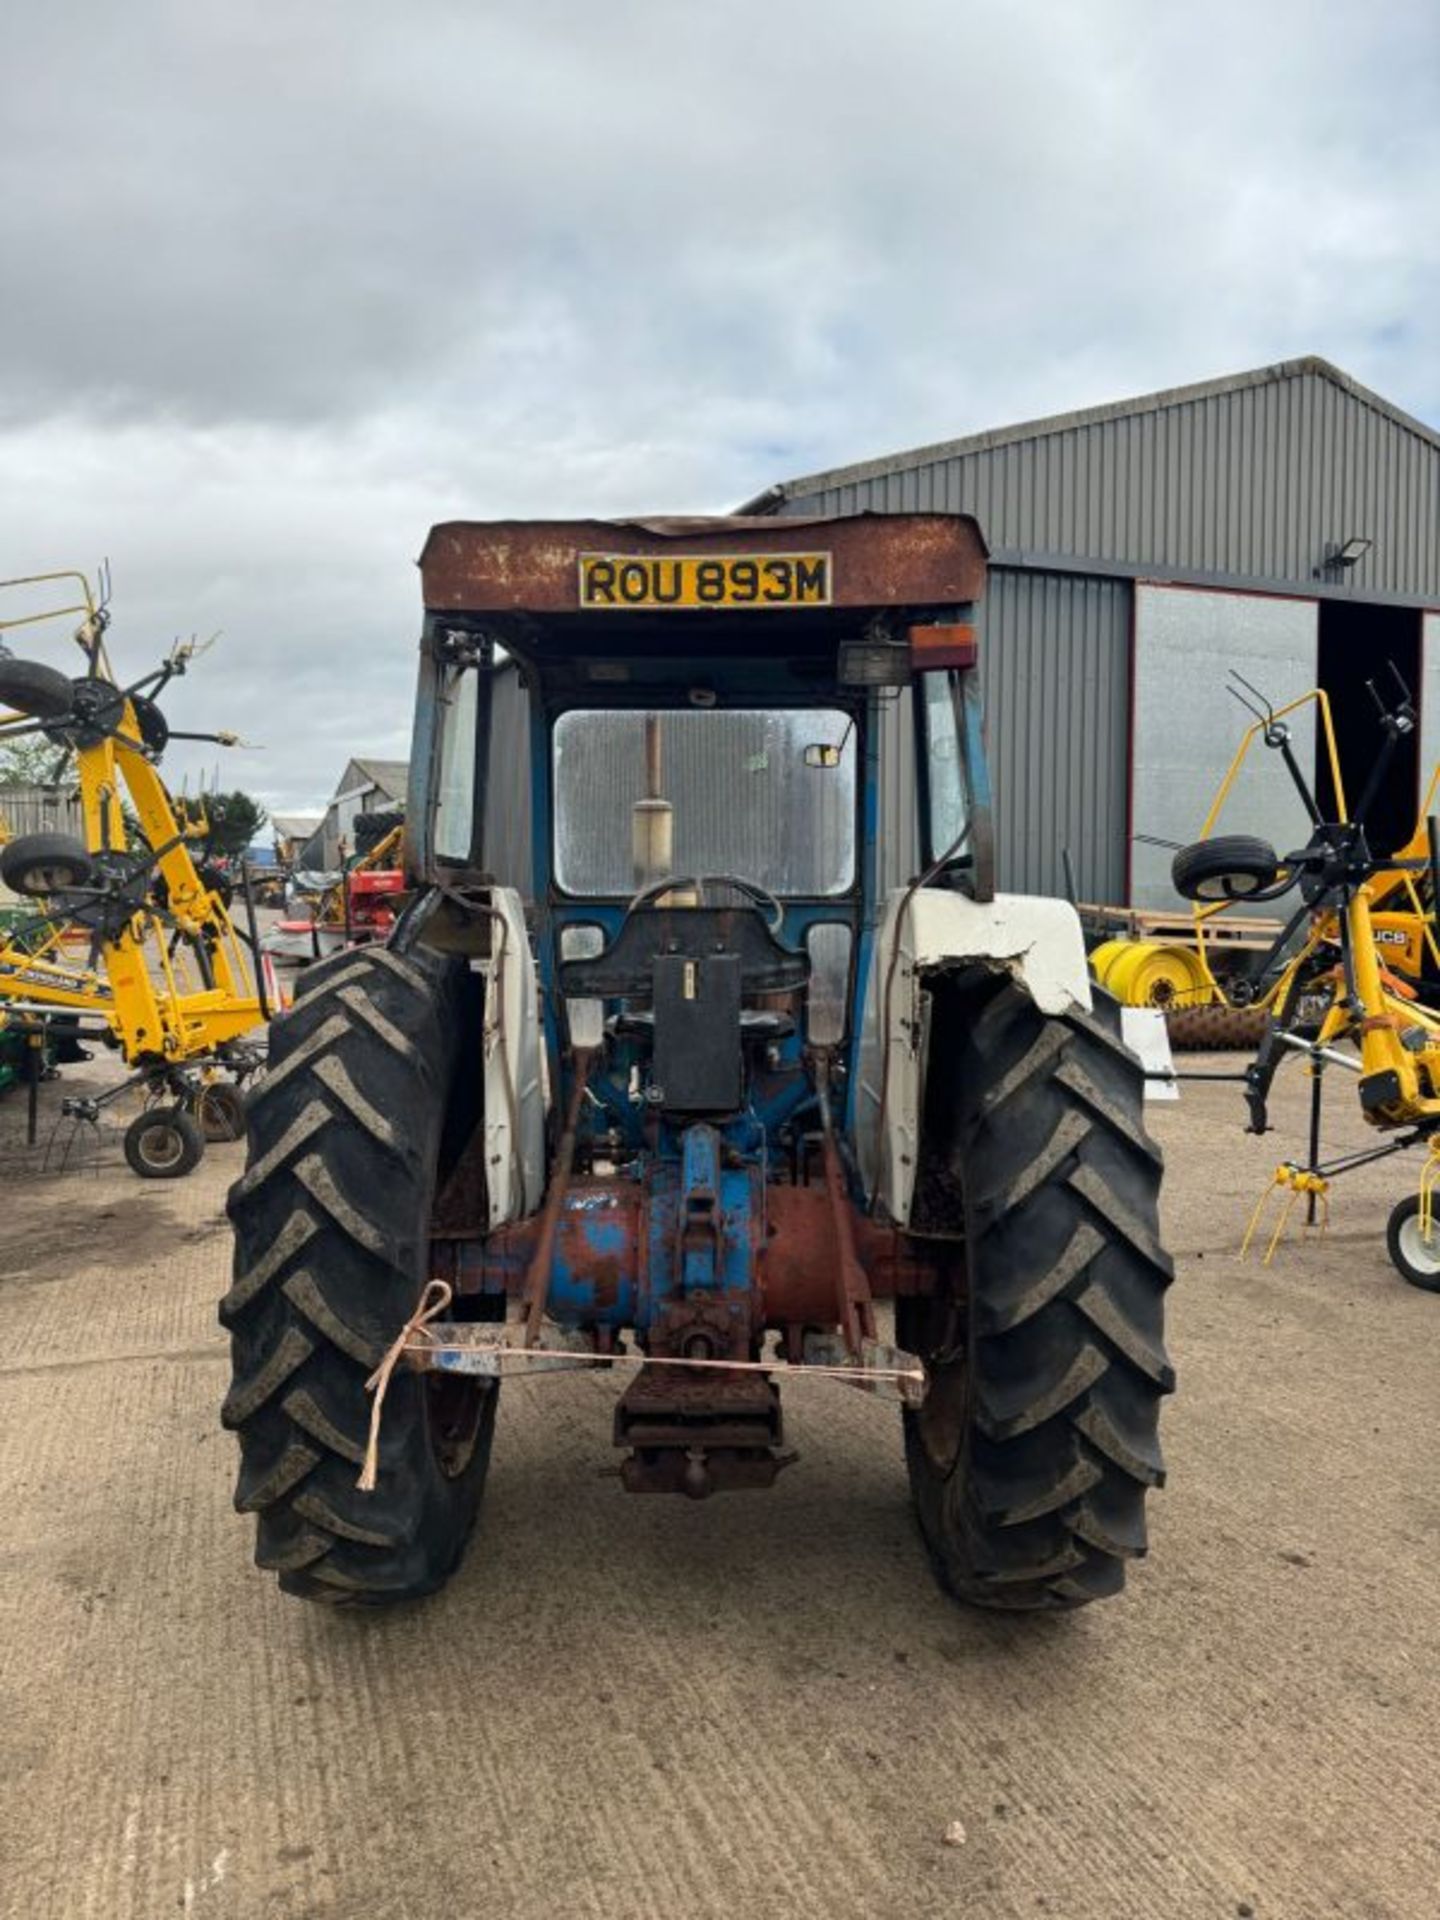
(1152, 960)
(166, 979)
(1350, 979)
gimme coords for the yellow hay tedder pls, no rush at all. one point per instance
(1352, 978)
(166, 977)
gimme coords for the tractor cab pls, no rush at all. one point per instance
(705, 706)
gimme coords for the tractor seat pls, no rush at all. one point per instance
(756, 1023)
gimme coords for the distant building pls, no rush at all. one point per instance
(292, 831)
(366, 786)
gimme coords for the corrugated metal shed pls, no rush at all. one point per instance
(1056, 677)
(1055, 669)
(1246, 483)
(1249, 478)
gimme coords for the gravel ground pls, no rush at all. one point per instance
(760, 1705)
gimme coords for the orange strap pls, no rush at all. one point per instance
(432, 1302)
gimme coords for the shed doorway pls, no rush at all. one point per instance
(1360, 643)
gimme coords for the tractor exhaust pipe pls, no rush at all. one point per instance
(652, 820)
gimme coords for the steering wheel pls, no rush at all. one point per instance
(762, 896)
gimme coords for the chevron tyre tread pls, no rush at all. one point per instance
(1030, 1462)
(346, 1135)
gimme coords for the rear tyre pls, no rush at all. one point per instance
(1415, 1258)
(41, 864)
(1031, 1458)
(347, 1138)
(164, 1144)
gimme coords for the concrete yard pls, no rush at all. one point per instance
(757, 1706)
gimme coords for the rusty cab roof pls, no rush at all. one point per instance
(520, 580)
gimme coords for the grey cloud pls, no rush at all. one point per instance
(286, 285)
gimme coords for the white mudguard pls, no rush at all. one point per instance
(1037, 941)
(516, 1095)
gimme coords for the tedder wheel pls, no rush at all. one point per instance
(1231, 867)
(1032, 1455)
(38, 864)
(1152, 974)
(1415, 1258)
(164, 1144)
(348, 1136)
(1103, 957)
(220, 1109)
(30, 687)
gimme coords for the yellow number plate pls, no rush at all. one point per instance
(639, 581)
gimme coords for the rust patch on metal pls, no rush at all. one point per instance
(533, 566)
(698, 1434)
(537, 1274)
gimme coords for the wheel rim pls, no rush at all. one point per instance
(1150, 975)
(50, 879)
(1106, 956)
(162, 1146)
(1422, 1254)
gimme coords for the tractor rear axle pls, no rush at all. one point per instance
(602, 1273)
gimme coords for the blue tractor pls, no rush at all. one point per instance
(702, 1100)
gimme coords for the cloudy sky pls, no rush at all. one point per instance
(284, 284)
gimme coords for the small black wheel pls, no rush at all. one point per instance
(39, 864)
(220, 1109)
(154, 727)
(1415, 1258)
(1233, 867)
(165, 1143)
(29, 686)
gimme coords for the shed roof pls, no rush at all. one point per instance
(295, 826)
(390, 776)
(774, 497)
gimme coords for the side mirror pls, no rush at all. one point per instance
(821, 754)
